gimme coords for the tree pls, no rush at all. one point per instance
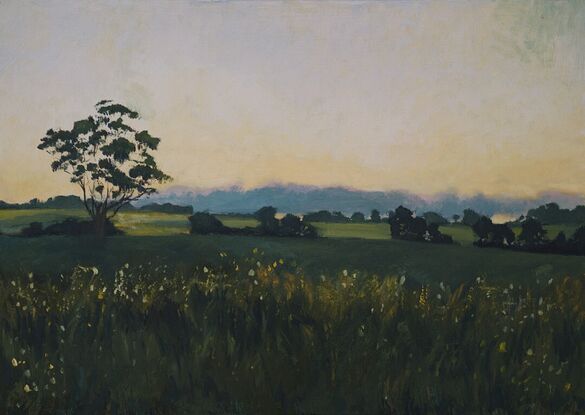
(434, 218)
(107, 158)
(268, 223)
(470, 216)
(358, 217)
(455, 218)
(375, 216)
(290, 225)
(490, 234)
(532, 232)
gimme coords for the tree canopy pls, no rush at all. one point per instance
(107, 158)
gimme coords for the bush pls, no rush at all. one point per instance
(406, 226)
(205, 223)
(69, 227)
(33, 230)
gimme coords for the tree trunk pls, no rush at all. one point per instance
(99, 222)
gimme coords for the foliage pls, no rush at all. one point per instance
(205, 223)
(491, 234)
(268, 223)
(358, 217)
(433, 218)
(375, 216)
(326, 216)
(251, 337)
(57, 202)
(405, 225)
(551, 213)
(470, 217)
(107, 158)
(167, 208)
(69, 226)
(532, 232)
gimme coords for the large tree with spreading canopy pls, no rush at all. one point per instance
(107, 158)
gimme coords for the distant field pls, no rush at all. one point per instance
(161, 224)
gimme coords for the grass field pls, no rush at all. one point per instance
(251, 338)
(163, 239)
(158, 321)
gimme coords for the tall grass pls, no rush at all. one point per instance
(254, 337)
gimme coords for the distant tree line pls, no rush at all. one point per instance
(551, 214)
(338, 217)
(288, 226)
(405, 225)
(532, 237)
(75, 202)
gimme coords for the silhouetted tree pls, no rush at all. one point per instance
(470, 217)
(490, 234)
(375, 216)
(532, 232)
(434, 218)
(268, 223)
(205, 223)
(358, 217)
(455, 218)
(290, 225)
(107, 158)
(577, 241)
(405, 225)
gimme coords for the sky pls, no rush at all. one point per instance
(467, 97)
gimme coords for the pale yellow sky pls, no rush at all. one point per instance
(478, 96)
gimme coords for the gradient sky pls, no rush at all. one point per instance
(479, 96)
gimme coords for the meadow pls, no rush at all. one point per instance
(163, 239)
(157, 321)
(251, 337)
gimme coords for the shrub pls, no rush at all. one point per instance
(205, 223)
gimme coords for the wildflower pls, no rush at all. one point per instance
(281, 261)
(205, 270)
(31, 285)
(62, 328)
(13, 283)
(402, 280)
(14, 362)
(567, 387)
(27, 373)
(322, 277)
(251, 273)
(27, 388)
(442, 286)
(255, 282)
(438, 296)
(95, 271)
(91, 287)
(52, 380)
(529, 352)
(345, 273)
(274, 264)
(550, 281)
